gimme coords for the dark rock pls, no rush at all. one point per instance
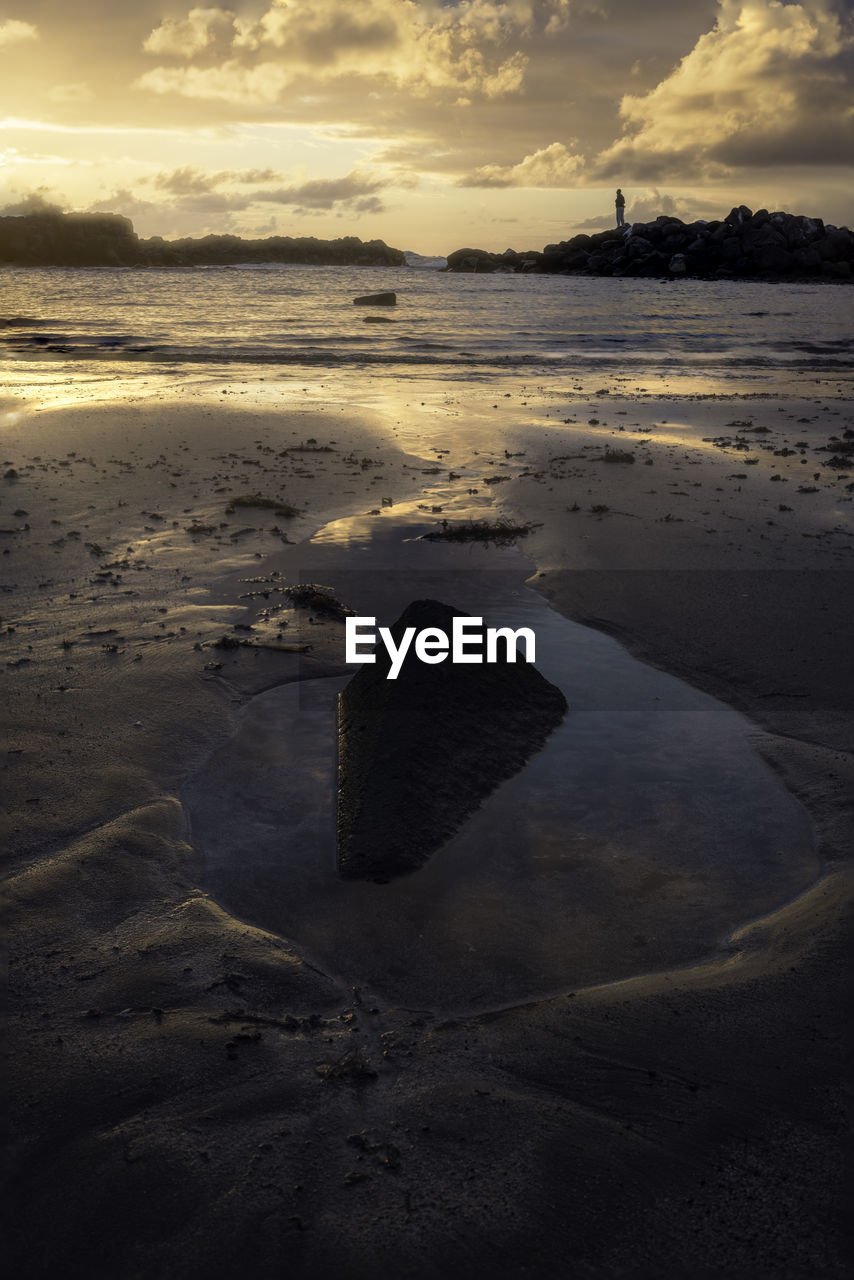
(837, 245)
(471, 260)
(417, 755)
(600, 264)
(376, 300)
(744, 245)
(649, 265)
(575, 260)
(480, 260)
(767, 234)
(730, 251)
(808, 260)
(800, 232)
(773, 259)
(638, 246)
(612, 238)
(836, 270)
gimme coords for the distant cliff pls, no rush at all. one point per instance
(747, 245)
(108, 240)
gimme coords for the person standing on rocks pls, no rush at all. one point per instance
(620, 203)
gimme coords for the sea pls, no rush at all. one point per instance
(688, 335)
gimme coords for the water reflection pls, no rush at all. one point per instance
(639, 837)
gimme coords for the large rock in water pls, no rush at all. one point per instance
(418, 754)
(376, 300)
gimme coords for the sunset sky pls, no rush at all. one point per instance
(430, 124)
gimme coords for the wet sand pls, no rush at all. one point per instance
(191, 1096)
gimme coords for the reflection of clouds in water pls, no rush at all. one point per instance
(636, 839)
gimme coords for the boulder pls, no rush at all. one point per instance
(481, 260)
(376, 300)
(600, 264)
(471, 260)
(649, 265)
(417, 755)
(574, 260)
(638, 246)
(765, 234)
(773, 259)
(837, 245)
(808, 260)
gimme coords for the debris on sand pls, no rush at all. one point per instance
(275, 505)
(308, 595)
(500, 532)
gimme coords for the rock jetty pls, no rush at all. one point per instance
(418, 754)
(745, 245)
(54, 239)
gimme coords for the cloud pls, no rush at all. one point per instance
(652, 204)
(770, 84)
(190, 181)
(325, 31)
(123, 201)
(229, 82)
(13, 32)
(325, 193)
(470, 49)
(184, 182)
(552, 166)
(197, 32)
(34, 202)
(12, 158)
(226, 191)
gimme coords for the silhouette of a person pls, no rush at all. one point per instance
(620, 204)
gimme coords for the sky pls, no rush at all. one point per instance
(430, 124)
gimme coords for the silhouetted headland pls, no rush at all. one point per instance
(744, 245)
(54, 239)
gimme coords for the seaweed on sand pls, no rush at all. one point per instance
(308, 595)
(617, 455)
(278, 507)
(500, 532)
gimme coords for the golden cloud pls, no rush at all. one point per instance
(552, 166)
(417, 45)
(198, 31)
(13, 32)
(764, 71)
(229, 82)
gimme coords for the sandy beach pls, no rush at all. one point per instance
(194, 1095)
